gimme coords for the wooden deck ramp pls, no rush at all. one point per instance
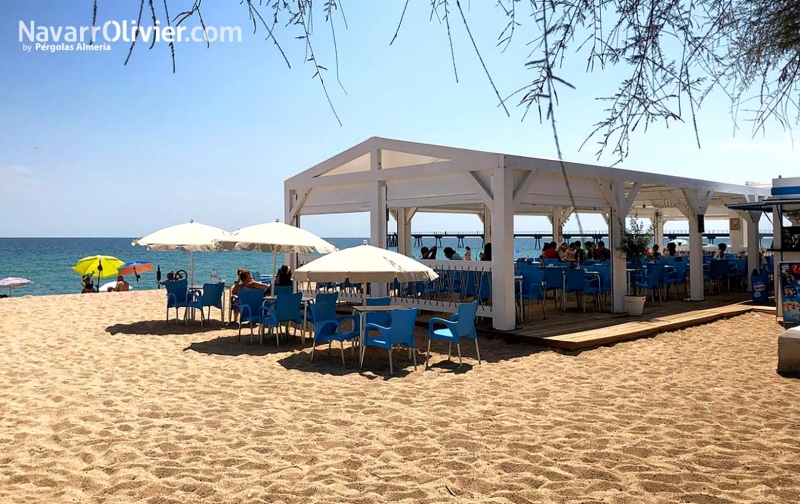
(634, 329)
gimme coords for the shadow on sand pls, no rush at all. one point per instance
(231, 346)
(163, 328)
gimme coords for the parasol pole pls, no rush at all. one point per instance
(99, 273)
(191, 255)
(274, 267)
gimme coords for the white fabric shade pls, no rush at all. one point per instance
(364, 263)
(191, 236)
(275, 237)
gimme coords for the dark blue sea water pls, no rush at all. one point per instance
(48, 262)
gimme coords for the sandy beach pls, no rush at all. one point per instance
(104, 402)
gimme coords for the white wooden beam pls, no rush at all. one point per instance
(480, 190)
(526, 183)
(296, 206)
(416, 172)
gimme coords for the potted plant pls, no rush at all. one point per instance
(634, 244)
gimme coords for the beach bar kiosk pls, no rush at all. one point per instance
(784, 205)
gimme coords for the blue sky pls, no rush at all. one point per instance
(91, 147)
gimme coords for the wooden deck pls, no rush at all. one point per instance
(574, 329)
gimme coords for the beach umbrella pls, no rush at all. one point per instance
(191, 236)
(98, 266)
(135, 267)
(13, 283)
(365, 263)
(276, 237)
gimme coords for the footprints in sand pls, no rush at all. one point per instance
(87, 416)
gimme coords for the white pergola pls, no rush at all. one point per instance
(399, 178)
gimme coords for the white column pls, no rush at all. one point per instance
(697, 292)
(619, 274)
(290, 199)
(378, 215)
(403, 232)
(487, 225)
(503, 302)
(558, 224)
(658, 230)
(750, 222)
(697, 201)
(737, 236)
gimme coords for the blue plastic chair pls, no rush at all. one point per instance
(286, 309)
(576, 280)
(329, 329)
(533, 286)
(460, 325)
(605, 279)
(178, 297)
(211, 297)
(553, 280)
(652, 281)
(251, 301)
(283, 289)
(400, 332)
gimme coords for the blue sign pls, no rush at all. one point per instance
(790, 291)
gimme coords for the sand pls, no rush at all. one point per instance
(103, 402)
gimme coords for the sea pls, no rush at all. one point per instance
(48, 262)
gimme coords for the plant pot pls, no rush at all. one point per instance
(634, 305)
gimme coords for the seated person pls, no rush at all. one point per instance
(550, 251)
(432, 252)
(284, 277)
(122, 285)
(425, 252)
(720, 254)
(565, 254)
(578, 255)
(468, 254)
(487, 252)
(590, 251)
(656, 253)
(88, 284)
(672, 249)
(602, 252)
(245, 281)
(451, 254)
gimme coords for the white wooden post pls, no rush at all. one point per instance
(620, 204)
(378, 214)
(403, 232)
(487, 225)
(503, 302)
(750, 221)
(619, 265)
(558, 224)
(737, 236)
(292, 218)
(697, 202)
(658, 230)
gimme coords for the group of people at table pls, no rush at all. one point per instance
(245, 280)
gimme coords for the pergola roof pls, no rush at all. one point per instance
(433, 178)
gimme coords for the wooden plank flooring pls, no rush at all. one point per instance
(575, 329)
(635, 329)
